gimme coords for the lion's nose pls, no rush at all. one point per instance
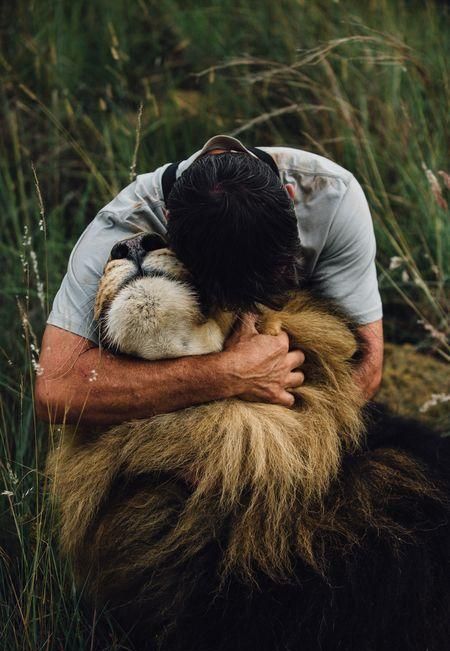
(119, 251)
(137, 247)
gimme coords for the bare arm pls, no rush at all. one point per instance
(81, 383)
(370, 370)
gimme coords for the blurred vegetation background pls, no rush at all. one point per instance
(92, 93)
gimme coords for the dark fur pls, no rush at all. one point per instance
(371, 572)
(384, 589)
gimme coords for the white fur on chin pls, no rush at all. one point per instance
(156, 318)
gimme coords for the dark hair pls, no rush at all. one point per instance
(233, 225)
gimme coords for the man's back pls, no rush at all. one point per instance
(334, 225)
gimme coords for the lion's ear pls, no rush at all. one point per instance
(153, 242)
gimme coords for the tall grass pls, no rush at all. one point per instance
(364, 84)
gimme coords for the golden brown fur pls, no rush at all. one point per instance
(128, 509)
(256, 463)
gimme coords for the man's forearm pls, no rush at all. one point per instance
(93, 391)
(369, 372)
(368, 377)
(79, 383)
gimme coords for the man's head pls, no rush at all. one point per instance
(232, 224)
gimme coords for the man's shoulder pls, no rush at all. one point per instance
(145, 189)
(291, 159)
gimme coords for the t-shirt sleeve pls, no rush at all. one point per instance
(136, 208)
(73, 306)
(346, 269)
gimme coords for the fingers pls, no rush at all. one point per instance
(247, 323)
(295, 380)
(243, 328)
(286, 399)
(295, 358)
(284, 337)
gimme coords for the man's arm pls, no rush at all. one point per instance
(346, 273)
(370, 369)
(80, 383)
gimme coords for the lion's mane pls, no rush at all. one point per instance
(160, 514)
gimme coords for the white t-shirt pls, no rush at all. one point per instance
(334, 224)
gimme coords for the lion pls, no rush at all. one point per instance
(237, 525)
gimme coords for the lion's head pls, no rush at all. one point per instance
(147, 306)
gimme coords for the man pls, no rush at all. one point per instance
(81, 383)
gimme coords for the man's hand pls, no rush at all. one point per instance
(262, 365)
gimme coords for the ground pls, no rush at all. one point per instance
(410, 379)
